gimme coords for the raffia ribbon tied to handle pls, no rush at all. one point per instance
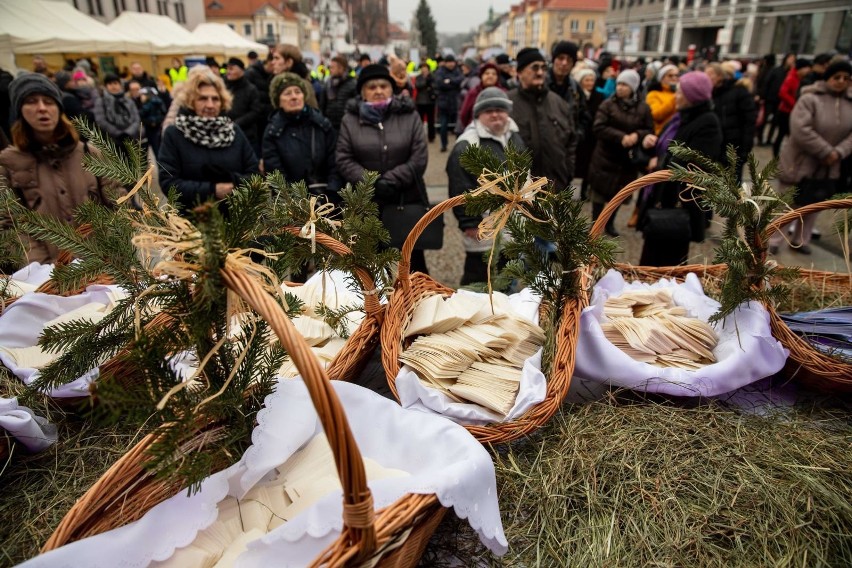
(309, 230)
(517, 200)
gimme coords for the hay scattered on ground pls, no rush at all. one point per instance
(37, 490)
(637, 483)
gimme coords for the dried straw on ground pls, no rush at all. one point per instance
(637, 483)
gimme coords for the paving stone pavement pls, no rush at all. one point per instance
(446, 265)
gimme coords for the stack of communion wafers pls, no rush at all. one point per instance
(649, 327)
(468, 352)
(324, 340)
(300, 482)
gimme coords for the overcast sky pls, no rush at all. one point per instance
(452, 16)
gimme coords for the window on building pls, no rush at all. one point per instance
(119, 6)
(669, 39)
(180, 13)
(798, 34)
(141, 5)
(652, 38)
(590, 26)
(247, 29)
(163, 7)
(737, 39)
(688, 3)
(844, 38)
(270, 30)
(575, 26)
(612, 7)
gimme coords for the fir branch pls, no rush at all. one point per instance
(337, 319)
(109, 161)
(748, 209)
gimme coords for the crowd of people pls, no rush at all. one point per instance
(604, 122)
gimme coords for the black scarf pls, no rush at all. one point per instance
(217, 132)
(116, 110)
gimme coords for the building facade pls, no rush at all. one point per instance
(543, 23)
(728, 28)
(259, 20)
(188, 13)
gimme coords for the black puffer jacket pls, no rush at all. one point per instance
(734, 105)
(335, 97)
(448, 84)
(547, 128)
(302, 148)
(195, 170)
(611, 169)
(699, 130)
(387, 147)
(246, 110)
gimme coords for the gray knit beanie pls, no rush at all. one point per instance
(630, 78)
(31, 84)
(491, 97)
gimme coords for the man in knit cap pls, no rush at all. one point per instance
(544, 121)
(563, 56)
(491, 128)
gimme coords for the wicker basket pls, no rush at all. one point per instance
(411, 288)
(127, 490)
(806, 364)
(347, 364)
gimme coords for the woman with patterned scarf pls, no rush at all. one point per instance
(204, 155)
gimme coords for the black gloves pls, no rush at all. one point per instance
(386, 191)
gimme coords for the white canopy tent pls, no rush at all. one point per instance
(42, 26)
(232, 43)
(166, 36)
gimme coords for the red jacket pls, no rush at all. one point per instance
(789, 89)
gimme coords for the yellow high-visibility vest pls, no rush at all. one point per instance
(178, 75)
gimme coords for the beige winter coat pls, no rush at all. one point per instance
(820, 122)
(54, 183)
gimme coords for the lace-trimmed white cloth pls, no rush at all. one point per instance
(441, 457)
(33, 431)
(415, 395)
(27, 279)
(23, 322)
(746, 351)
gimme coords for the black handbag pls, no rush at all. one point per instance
(667, 224)
(815, 190)
(639, 156)
(400, 218)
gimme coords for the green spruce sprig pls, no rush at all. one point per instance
(549, 247)
(748, 209)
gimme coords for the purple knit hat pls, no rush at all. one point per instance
(696, 87)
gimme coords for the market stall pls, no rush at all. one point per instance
(233, 43)
(57, 31)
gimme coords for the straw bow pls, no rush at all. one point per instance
(517, 199)
(309, 230)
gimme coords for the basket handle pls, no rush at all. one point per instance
(372, 306)
(404, 273)
(358, 512)
(621, 197)
(789, 216)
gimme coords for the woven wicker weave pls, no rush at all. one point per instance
(126, 491)
(806, 364)
(347, 364)
(411, 288)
